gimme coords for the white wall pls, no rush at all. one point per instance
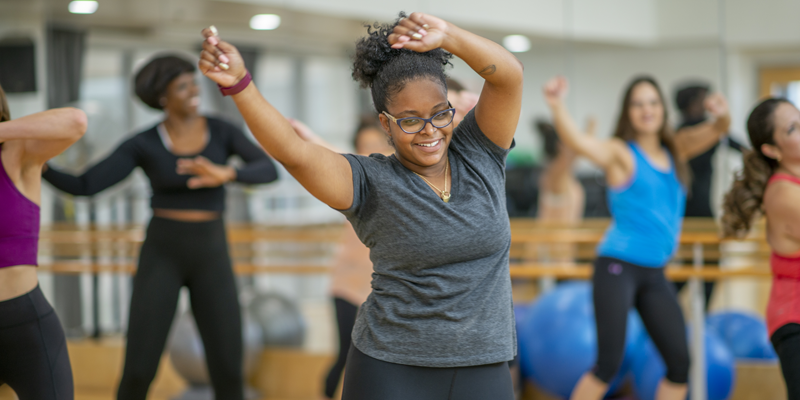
(623, 21)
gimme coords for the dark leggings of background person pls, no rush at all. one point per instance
(345, 319)
(195, 255)
(786, 341)
(618, 286)
(383, 380)
(30, 323)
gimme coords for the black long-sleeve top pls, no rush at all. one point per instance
(148, 151)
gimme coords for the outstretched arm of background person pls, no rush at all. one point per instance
(500, 103)
(560, 169)
(604, 153)
(324, 173)
(47, 133)
(694, 140)
(305, 133)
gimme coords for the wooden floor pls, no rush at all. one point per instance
(287, 374)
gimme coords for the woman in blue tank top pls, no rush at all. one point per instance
(647, 176)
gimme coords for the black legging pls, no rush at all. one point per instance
(195, 255)
(618, 286)
(33, 350)
(345, 319)
(786, 341)
(366, 378)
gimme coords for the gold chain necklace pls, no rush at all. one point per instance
(445, 193)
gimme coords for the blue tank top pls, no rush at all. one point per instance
(647, 214)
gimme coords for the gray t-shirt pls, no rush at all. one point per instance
(441, 291)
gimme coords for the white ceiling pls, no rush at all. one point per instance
(335, 24)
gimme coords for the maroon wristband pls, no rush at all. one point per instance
(229, 91)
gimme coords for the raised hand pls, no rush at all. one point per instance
(206, 173)
(591, 125)
(555, 90)
(716, 105)
(220, 60)
(419, 32)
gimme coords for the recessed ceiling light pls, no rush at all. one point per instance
(265, 22)
(83, 7)
(517, 43)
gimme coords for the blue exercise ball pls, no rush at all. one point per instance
(520, 314)
(558, 340)
(745, 334)
(648, 369)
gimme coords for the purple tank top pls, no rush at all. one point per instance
(19, 224)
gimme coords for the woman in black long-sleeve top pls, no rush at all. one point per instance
(184, 157)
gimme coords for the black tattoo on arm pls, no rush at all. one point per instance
(488, 70)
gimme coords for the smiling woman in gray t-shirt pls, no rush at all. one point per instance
(439, 323)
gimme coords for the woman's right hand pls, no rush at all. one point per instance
(555, 90)
(216, 52)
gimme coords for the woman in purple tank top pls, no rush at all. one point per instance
(34, 359)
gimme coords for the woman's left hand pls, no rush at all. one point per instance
(206, 173)
(419, 32)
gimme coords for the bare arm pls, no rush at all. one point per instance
(324, 173)
(694, 140)
(604, 153)
(559, 171)
(783, 216)
(46, 134)
(498, 109)
(305, 133)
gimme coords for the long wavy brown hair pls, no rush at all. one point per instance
(744, 200)
(627, 133)
(5, 113)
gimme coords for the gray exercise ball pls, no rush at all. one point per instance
(280, 319)
(188, 355)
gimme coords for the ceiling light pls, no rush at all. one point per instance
(265, 22)
(83, 7)
(517, 43)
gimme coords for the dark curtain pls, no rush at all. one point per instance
(65, 49)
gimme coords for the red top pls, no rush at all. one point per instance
(784, 298)
(19, 224)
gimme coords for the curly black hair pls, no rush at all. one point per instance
(152, 80)
(376, 65)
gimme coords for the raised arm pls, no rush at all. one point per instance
(499, 106)
(694, 140)
(325, 174)
(604, 153)
(46, 134)
(559, 171)
(106, 173)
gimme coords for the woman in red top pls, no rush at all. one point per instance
(770, 184)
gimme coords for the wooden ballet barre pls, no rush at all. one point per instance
(673, 273)
(576, 236)
(79, 267)
(517, 270)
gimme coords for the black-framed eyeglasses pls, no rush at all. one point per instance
(416, 124)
